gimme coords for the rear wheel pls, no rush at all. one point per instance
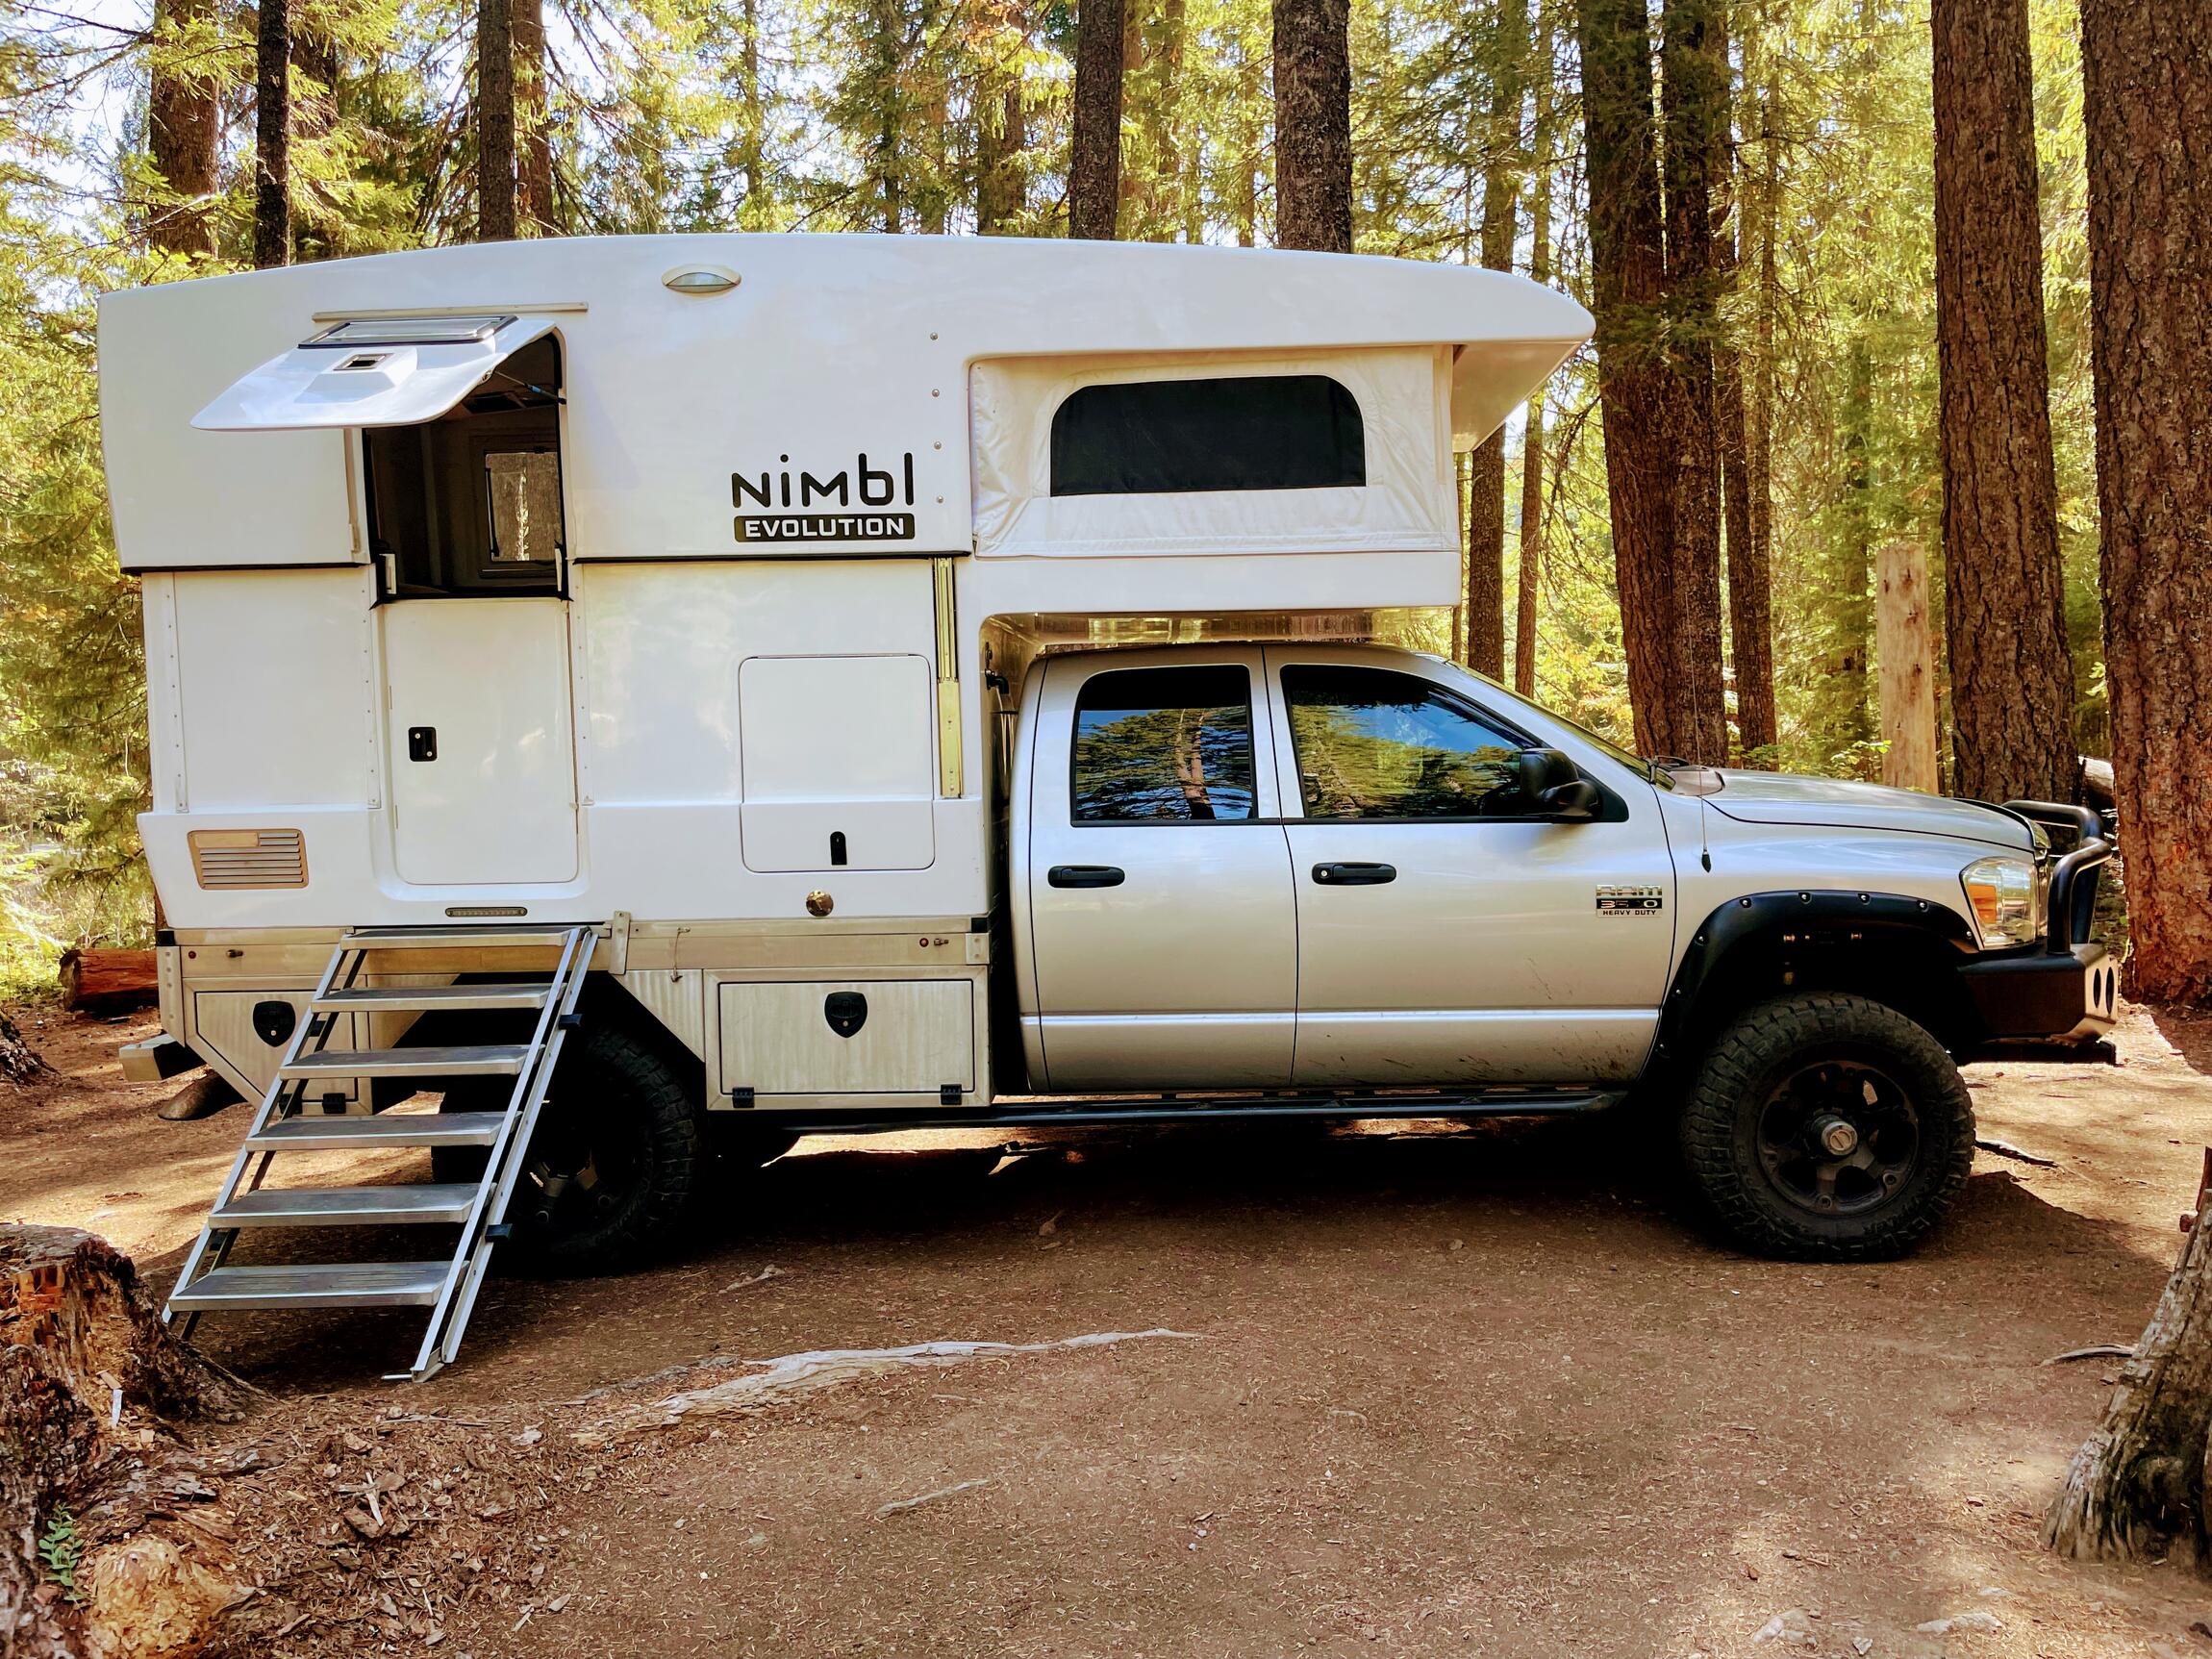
(1827, 1127)
(611, 1168)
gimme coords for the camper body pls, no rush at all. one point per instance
(936, 683)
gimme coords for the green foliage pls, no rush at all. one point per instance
(61, 1551)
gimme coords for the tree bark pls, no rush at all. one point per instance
(1751, 562)
(2148, 92)
(1695, 113)
(1485, 598)
(495, 121)
(2135, 1489)
(106, 981)
(1531, 567)
(1095, 147)
(1312, 125)
(2005, 600)
(1673, 669)
(1906, 645)
(272, 134)
(184, 121)
(1001, 138)
(752, 124)
(534, 206)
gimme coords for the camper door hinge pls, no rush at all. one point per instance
(949, 783)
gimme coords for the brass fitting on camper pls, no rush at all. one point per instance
(819, 903)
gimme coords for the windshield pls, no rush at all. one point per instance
(1652, 769)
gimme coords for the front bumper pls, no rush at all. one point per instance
(2065, 990)
(2033, 994)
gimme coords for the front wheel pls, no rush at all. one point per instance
(1827, 1127)
(610, 1170)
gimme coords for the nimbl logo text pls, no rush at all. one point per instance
(802, 497)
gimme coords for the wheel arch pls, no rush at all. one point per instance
(1900, 951)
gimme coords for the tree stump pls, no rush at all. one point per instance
(20, 1062)
(2136, 1488)
(92, 1393)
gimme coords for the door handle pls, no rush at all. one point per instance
(1354, 874)
(422, 743)
(1085, 875)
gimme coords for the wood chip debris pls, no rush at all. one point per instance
(775, 1381)
(2006, 1150)
(899, 1506)
(2096, 1351)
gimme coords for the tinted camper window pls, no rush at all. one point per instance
(1169, 437)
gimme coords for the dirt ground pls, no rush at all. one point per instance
(1441, 1392)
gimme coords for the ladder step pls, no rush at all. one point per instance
(485, 1060)
(423, 999)
(347, 1206)
(385, 1129)
(324, 1285)
(451, 937)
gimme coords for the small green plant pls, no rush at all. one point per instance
(60, 1550)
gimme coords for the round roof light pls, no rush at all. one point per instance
(700, 281)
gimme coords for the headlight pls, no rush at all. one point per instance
(2000, 895)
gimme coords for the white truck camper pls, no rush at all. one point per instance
(616, 699)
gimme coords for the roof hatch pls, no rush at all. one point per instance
(372, 371)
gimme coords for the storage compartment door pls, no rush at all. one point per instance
(481, 748)
(852, 1037)
(839, 761)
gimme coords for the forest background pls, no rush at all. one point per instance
(134, 148)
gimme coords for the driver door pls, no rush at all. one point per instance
(1446, 933)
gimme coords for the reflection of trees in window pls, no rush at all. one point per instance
(1165, 755)
(1377, 744)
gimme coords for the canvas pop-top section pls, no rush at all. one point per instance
(1214, 453)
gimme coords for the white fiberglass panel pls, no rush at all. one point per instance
(479, 740)
(839, 769)
(1405, 503)
(275, 690)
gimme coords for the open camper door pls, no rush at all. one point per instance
(460, 428)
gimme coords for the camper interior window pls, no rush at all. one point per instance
(469, 504)
(1243, 431)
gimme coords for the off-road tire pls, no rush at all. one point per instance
(1752, 1057)
(610, 1084)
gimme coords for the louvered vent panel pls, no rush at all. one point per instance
(229, 858)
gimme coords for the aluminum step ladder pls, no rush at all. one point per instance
(284, 1123)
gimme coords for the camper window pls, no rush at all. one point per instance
(469, 504)
(1172, 436)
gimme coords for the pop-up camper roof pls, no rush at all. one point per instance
(838, 396)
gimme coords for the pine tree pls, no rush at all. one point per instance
(184, 124)
(2005, 606)
(495, 193)
(1312, 125)
(1501, 184)
(272, 133)
(1095, 153)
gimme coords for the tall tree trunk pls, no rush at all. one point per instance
(318, 232)
(1747, 437)
(1531, 572)
(1095, 145)
(1673, 672)
(1486, 473)
(534, 210)
(1001, 137)
(1312, 125)
(272, 134)
(495, 121)
(1749, 600)
(752, 124)
(184, 120)
(2004, 600)
(1251, 143)
(1695, 113)
(2148, 89)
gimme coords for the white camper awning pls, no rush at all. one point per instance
(384, 372)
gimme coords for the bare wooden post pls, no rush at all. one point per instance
(1902, 640)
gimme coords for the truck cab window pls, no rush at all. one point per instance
(1371, 744)
(470, 505)
(1167, 745)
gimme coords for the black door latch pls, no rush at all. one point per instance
(422, 743)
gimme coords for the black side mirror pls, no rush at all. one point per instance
(1549, 780)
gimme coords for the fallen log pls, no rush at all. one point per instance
(111, 1539)
(108, 981)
